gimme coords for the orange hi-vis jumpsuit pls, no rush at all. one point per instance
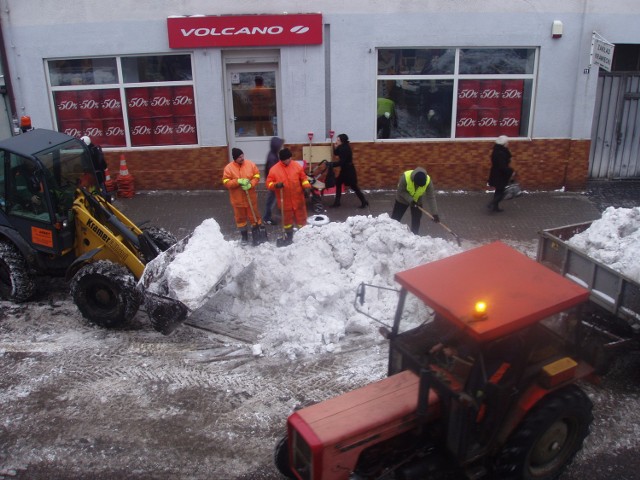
(295, 180)
(238, 196)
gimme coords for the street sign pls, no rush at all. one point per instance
(602, 52)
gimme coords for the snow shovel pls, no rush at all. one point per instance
(259, 232)
(441, 224)
(282, 241)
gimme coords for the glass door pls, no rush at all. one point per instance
(253, 108)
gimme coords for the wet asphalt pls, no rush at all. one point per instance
(463, 213)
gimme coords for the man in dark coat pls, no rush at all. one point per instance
(500, 173)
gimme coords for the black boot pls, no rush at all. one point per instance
(245, 237)
(289, 237)
(365, 204)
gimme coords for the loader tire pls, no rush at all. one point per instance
(281, 457)
(548, 438)
(105, 293)
(161, 237)
(16, 283)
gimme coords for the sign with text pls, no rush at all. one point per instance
(603, 53)
(244, 30)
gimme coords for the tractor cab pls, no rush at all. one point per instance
(503, 324)
(494, 345)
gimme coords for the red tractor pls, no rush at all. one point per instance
(486, 387)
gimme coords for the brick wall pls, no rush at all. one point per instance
(541, 164)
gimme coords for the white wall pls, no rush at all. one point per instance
(565, 95)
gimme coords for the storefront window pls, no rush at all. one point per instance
(83, 71)
(421, 91)
(162, 112)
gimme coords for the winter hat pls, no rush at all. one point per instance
(502, 140)
(236, 152)
(420, 179)
(285, 154)
(343, 138)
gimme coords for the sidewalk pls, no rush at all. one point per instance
(465, 213)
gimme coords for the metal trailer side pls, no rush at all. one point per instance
(610, 290)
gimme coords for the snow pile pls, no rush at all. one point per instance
(300, 297)
(613, 240)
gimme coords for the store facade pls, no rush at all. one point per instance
(432, 84)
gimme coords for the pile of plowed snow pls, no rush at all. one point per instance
(301, 297)
(614, 240)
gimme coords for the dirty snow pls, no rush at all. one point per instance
(614, 240)
(303, 294)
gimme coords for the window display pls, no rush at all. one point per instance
(416, 92)
(162, 112)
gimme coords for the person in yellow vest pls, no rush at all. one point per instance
(386, 117)
(413, 186)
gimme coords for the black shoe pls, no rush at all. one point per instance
(365, 204)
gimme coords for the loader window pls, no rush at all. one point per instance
(25, 196)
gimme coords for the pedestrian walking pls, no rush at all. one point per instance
(413, 186)
(240, 177)
(347, 175)
(501, 173)
(289, 180)
(272, 158)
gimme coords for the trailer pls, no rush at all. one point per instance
(613, 312)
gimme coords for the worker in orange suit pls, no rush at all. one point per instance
(288, 179)
(240, 177)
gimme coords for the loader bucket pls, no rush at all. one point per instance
(166, 313)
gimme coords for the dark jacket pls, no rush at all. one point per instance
(347, 174)
(500, 172)
(272, 157)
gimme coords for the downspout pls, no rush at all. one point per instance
(8, 86)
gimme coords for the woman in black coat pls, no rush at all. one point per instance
(500, 173)
(347, 174)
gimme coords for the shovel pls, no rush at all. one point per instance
(441, 224)
(259, 232)
(282, 241)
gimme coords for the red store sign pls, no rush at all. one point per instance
(245, 30)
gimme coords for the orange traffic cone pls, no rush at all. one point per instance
(109, 183)
(125, 180)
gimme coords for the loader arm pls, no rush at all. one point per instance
(104, 233)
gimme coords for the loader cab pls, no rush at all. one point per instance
(40, 171)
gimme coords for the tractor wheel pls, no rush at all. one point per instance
(16, 283)
(105, 293)
(162, 238)
(281, 457)
(548, 438)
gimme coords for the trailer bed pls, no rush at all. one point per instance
(611, 290)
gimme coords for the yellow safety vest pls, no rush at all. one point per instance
(415, 193)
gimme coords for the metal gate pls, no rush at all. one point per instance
(615, 146)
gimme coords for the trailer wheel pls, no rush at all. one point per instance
(161, 237)
(16, 283)
(281, 457)
(548, 438)
(105, 293)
